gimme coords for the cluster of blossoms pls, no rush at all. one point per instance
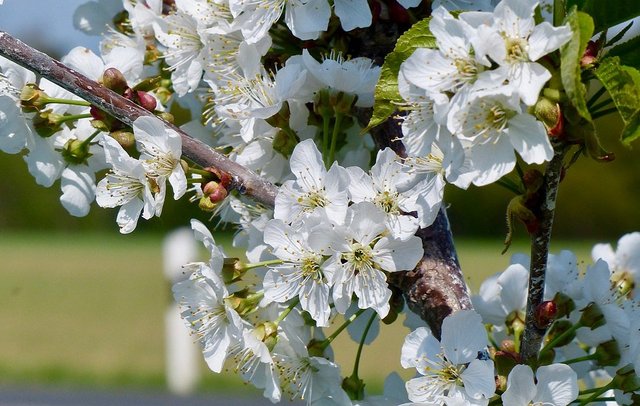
(274, 92)
(468, 99)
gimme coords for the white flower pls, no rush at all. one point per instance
(315, 190)
(503, 294)
(624, 262)
(126, 185)
(450, 367)
(452, 65)
(160, 153)
(14, 131)
(555, 385)
(186, 42)
(496, 125)
(363, 254)
(515, 43)
(355, 76)
(215, 324)
(300, 275)
(381, 188)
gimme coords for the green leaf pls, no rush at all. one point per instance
(386, 94)
(628, 52)
(607, 13)
(623, 85)
(570, 54)
(619, 82)
(631, 130)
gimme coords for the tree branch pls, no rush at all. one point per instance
(540, 240)
(244, 180)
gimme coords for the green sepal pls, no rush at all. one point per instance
(570, 55)
(387, 95)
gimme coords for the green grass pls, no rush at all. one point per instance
(87, 309)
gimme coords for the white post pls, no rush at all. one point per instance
(183, 355)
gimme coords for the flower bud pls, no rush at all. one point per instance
(592, 316)
(558, 328)
(626, 379)
(215, 191)
(354, 387)
(75, 152)
(316, 348)
(608, 353)
(146, 101)
(31, 98)
(564, 305)
(47, 123)
(114, 80)
(545, 314)
(397, 13)
(590, 55)
(126, 139)
(550, 114)
(232, 270)
(168, 117)
(205, 204)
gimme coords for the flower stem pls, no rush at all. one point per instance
(253, 265)
(552, 344)
(74, 117)
(54, 100)
(597, 393)
(334, 138)
(540, 240)
(326, 120)
(356, 364)
(344, 325)
(286, 311)
(589, 357)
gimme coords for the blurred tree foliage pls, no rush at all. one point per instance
(596, 200)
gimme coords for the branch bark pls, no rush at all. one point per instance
(540, 240)
(126, 111)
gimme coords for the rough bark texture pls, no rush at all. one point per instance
(126, 111)
(540, 240)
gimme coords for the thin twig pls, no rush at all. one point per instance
(126, 111)
(540, 240)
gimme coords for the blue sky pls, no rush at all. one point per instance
(45, 24)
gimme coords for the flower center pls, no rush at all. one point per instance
(466, 68)
(312, 200)
(496, 118)
(360, 257)
(311, 268)
(517, 50)
(388, 202)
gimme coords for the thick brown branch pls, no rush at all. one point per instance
(126, 111)
(436, 288)
(540, 240)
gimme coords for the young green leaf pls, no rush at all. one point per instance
(570, 55)
(387, 95)
(628, 52)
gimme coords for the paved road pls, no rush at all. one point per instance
(59, 397)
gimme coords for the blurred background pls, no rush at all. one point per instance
(83, 306)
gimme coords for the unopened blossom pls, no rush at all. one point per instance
(451, 370)
(553, 385)
(126, 185)
(315, 191)
(363, 253)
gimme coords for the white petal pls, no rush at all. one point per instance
(78, 190)
(479, 380)
(529, 137)
(520, 386)
(557, 384)
(353, 13)
(546, 38)
(463, 335)
(128, 215)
